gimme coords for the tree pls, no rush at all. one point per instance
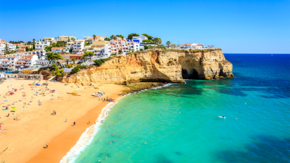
(6, 49)
(68, 40)
(26, 48)
(120, 36)
(94, 36)
(107, 39)
(130, 36)
(149, 37)
(54, 67)
(157, 40)
(55, 38)
(53, 56)
(47, 48)
(113, 37)
(168, 43)
(88, 54)
(74, 59)
(34, 43)
(67, 60)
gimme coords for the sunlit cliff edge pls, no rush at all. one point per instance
(158, 66)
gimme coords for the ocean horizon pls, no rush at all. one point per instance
(180, 122)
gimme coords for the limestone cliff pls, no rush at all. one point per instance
(159, 65)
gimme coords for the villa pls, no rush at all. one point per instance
(41, 44)
(58, 50)
(191, 46)
(78, 46)
(67, 38)
(51, 39)
(139, 38)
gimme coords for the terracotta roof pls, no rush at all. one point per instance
(187, 44)
(57, 48)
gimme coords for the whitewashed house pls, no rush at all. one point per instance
(139, 38)
(58, 50)
(78, 46)
(41, 44)
(191, 46)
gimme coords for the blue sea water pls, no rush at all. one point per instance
(180, 122)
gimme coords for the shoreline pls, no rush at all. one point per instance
(62, 144)
(65, 151)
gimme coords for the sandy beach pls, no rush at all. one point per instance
(23, 140)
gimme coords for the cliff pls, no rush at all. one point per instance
(158, 66)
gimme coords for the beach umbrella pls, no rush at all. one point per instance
(14, 109)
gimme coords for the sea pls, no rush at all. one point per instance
(180, 123)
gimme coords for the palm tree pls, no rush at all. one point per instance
(94, 36)
(67, 60)
(157, 40)
(168, 43)
(73, 59)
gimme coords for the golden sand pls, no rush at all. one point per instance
(25, 139)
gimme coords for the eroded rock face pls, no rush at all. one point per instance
(163, 66)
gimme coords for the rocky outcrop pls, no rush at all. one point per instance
(157, 66)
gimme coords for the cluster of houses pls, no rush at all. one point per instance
(98, 45)
(22, 60)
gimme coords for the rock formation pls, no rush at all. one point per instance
(159, 66)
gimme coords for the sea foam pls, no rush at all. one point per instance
(87, 137)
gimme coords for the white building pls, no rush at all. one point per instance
(41, 44)
(191, 46)
(58, 50)
(78, 46)
(104, 49)
(139, 38)
(11, 47)
(20, 61)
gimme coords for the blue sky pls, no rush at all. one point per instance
(242, 26)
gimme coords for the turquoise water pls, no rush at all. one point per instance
(180, 122)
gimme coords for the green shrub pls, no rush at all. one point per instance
(59, 72)
(77, 68)
(99, 62)
(141, 49)
(68, 66)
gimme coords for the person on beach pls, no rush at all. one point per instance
(66, 120)
(46, 144)
(89, 122)
(74, 123)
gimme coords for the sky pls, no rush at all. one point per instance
(236, 26)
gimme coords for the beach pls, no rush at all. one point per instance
(24, 139)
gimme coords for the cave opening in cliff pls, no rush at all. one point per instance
(191, 75)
